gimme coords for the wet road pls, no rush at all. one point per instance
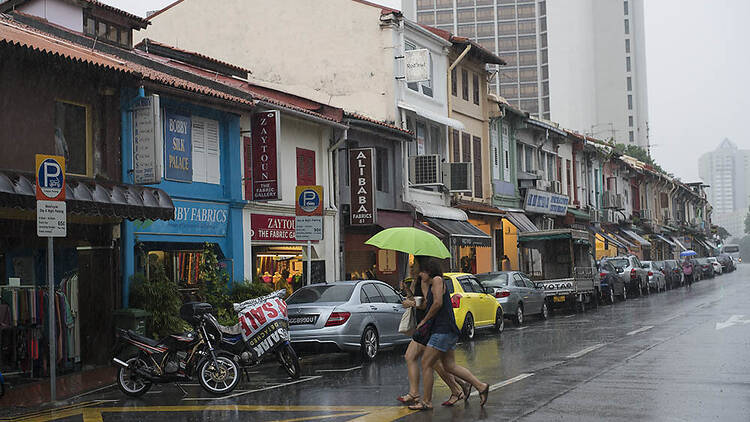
(678, 355)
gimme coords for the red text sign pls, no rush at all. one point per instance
(247, 152)
(265, 179)
(272, 227)
(252, 319)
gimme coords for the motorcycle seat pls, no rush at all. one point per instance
(224, 330)
(143, 339)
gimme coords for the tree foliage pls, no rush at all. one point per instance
(158, 295)
(722, 233)
(640, 154)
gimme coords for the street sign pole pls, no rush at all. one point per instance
(309, 261)
(51, 222)
(51, 310)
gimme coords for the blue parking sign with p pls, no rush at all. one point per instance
(309, 200)
(50, 178)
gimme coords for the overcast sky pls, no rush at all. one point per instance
(697, 60)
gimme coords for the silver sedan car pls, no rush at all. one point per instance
(516, 294)
(352, 316)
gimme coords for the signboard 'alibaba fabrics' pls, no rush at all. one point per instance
(361, 183)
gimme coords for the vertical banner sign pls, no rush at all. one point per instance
(147, 144)
(265, 133)
(178, 148)
(305, 167)
(247, 151)
(362, 184)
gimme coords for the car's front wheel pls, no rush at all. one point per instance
(369, 344)
(468, 329)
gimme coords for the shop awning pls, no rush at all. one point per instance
(90, 198)
(435, 117)
(628, 244)
(466, 233)
(438, 211)
(579, 236)
(522, 223)
(710, 245)
(635, 236)
(388, 219)
(664, 239)
(581, 215)
(679, 244)
(610, 239)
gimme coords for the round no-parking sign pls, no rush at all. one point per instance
(50, 178)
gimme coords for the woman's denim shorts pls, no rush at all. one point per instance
(443, 341)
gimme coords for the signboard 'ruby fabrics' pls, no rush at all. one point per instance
(265, 179)
(361, 183)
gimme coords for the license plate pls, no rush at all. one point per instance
(558, 299)
(303, 319)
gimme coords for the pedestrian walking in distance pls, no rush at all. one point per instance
(419, 285)
(441, 324)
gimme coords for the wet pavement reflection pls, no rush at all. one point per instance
(677, 355)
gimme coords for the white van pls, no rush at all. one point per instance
(733, 251)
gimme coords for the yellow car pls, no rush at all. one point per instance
(472, 307)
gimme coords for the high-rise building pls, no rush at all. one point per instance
(580, 63)
(727, 170)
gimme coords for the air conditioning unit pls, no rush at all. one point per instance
(608, 200)
(548, 224)
(538, 173)
(424, 170)
(619, 202)
(605, 216)
(594, 214)
(557, 186)
(457, 177)
(664, 215)
(646, 215)
(541, 184)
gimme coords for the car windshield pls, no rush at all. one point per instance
(493, 280)
(619, 262)
(330, 293)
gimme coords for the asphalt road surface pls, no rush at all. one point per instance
(678, 355)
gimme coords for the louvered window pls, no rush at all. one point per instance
(206, 151)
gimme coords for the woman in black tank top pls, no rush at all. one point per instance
(443, 338)
(417, 346)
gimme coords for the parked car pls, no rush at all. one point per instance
(353, 316)
(707, 270)
(716, 264)
(611, 285)
(472, 307)
(673, 273)
(656, 279)
(516, 294)
(727, 263)
(631, 273)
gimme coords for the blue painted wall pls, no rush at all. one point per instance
(225, 196)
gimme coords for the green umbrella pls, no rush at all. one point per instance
(410, 240)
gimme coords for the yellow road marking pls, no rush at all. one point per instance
(33, 416)
(95, 414)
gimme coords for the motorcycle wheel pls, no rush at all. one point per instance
(221, 380)
(290, 362)
(129, 381)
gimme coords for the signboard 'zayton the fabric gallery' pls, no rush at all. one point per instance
(362, 184)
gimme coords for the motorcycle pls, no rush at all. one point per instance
(262, 331)
(176, 358)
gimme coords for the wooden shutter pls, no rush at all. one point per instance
(477, 167)
(198, 137)
(465, 148)
(213, 152)
(456, 147)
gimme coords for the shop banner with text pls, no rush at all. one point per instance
(362, 186)
(265, 135)
(263, 322)
(191, 218)
(178, 151)
(545, 202)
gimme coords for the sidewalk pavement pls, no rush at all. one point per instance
(37, 393)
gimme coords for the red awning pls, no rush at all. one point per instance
(388, 219)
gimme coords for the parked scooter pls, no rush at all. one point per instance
(262, 331)
(177, 358)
